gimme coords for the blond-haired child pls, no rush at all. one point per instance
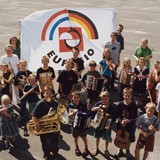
(147, 125)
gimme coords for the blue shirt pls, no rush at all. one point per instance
(105, 71)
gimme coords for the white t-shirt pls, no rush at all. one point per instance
(11, 61)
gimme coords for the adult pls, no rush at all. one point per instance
(15, 43)
(143, 51)
(11, 59)
(120, 38)
(114, 47)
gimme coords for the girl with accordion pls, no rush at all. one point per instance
(90, 81)
(125, 76)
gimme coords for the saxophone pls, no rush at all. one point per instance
(49, 123)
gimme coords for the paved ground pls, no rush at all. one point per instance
(140, 19)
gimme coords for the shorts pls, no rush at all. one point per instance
(105, 134)
(79, 132)
(148, 143)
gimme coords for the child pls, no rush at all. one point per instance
(103, 129)
(49, 141)
(106, 68)
(89, 83)
(80, 123)
(147, 125)
(141, 73)
(9, 128)
(125, 76)
(158, 99)
(6, 79)
(153, 80)
(45, 75)
(67, 79)
(126, 115)
(21, 76)
(31, 91)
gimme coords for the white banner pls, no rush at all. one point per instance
(54, 32)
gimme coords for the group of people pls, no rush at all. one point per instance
(139, 88)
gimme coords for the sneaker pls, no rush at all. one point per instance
(85, 152)
(47, 156)
(95, 152)
(129, 155)
(106, 154)
(120, 153)
(26, 133)
(14, 144)
(7, 145)
(56, 156)
(77, 152)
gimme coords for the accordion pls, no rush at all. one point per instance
(94, 83)
(102, 120)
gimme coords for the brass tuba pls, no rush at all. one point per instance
(49, 123)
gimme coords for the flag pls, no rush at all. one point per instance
(55, 32)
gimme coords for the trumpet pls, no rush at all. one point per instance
(23, 80)
(2, 82)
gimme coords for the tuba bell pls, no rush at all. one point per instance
(48, 124)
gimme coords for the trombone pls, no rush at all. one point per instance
(26, 93)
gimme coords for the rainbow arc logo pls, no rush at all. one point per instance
(70, 15)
